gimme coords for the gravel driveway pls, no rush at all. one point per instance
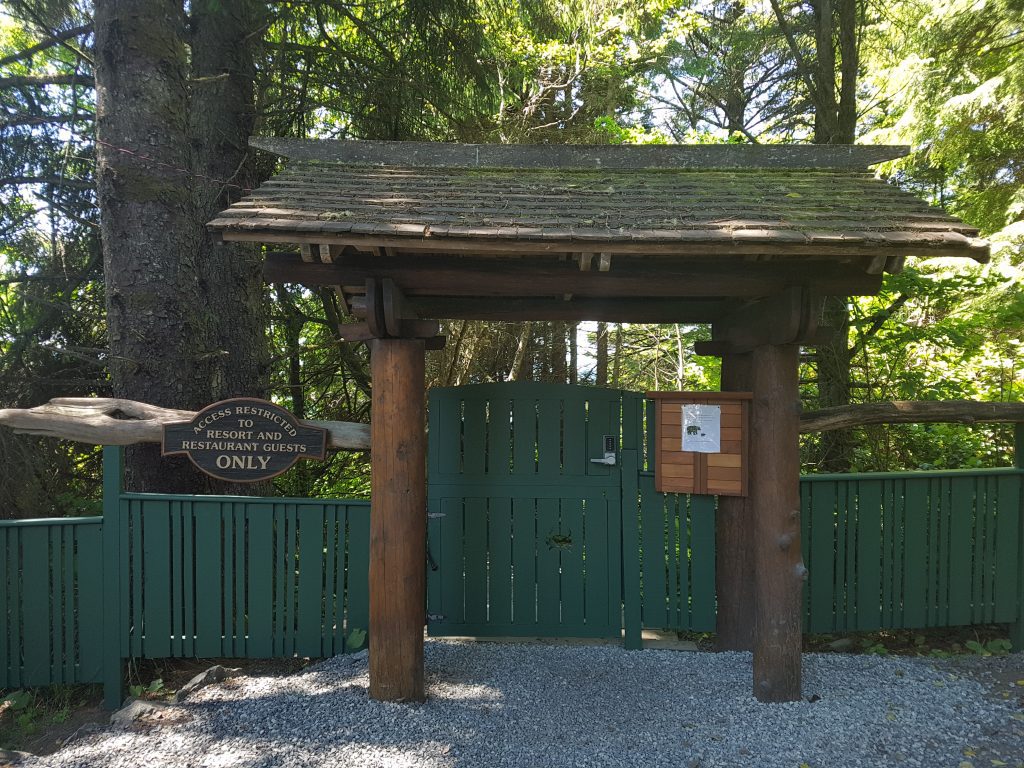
(494, 704)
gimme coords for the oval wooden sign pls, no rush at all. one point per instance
(244, 440)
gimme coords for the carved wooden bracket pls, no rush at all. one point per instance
(387, 314)
(789, 317)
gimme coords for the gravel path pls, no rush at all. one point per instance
(494, 705)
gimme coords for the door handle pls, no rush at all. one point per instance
(608, 460)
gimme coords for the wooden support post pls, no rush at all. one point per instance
(734, 570)
(398, 520)
(774, 487)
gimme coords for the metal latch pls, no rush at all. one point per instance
(609, 452)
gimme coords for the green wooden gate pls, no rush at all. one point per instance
(524, 529)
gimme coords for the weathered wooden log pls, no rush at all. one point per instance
(734, 564)
(910, 412)
(398, 521)
(113, 421)
(774, 485)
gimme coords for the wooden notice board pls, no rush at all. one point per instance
(723, 472)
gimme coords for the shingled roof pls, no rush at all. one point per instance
(687, 200)
(626, 233)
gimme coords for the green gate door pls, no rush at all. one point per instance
(524, 529)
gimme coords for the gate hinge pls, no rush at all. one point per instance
(436, 617)
(437, 514)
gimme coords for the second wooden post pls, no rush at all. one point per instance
(398, 520)
(775, 518)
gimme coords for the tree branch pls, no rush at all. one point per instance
(113, 421)
(910, 412)
(56, 39)
(17, 81)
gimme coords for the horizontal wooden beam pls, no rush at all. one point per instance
(911, 412)
(603, 157)
(607, 310)
(972, 248)
(426, 275)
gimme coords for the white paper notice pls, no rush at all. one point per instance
(702, 428)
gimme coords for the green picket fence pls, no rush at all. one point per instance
(902, 550)
(163, 576)
(180, 576)
(51, 601)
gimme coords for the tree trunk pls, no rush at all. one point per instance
(836, 448)
(149, 231)
(224, 39)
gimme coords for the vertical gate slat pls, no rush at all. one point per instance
(357, 582)
(331, 612)
(500, 548)
(822, 581)
(1008, 554)
(524, 566)
(944, 545)
(89, 603)
(138, 575)
(611, 527)
(869, 555)
(676, 543)
(237, 569)
(188, 646)
(7, 625)
(17, 635)
(549, 439)
(653, 556)
(123, 543)
(524, 437)
(56, 621)
(445, 434)
(599, 586)
(839, 594)
(474, 437)
(290, 607)
(852, 535)
(344, 512)
(702, 548)
(177, 581)
(572, 568)
(70, 649)
(310, 580)
(888, 554)
(156, 619)
(979, 596)
(915, 552)
(499, 437)
(450, 557)
(228, 584)
(575, 460)
(475, 531)
(547, 564)
(961, 549)
(35, 571)
(992, 532)
(260, 584)
(806, 528)
(278, 576)
(209, 581)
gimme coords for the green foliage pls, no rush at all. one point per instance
(155, 687)
(356, 638)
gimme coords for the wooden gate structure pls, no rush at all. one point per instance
(747, 238)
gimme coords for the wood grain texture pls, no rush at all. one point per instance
(436, 154)
(775, 522)
(398, 522)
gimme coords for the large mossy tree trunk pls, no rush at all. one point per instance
(224, 39)
(184, 318)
